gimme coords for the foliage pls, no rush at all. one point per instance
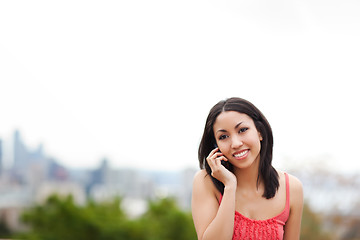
(165, 221)
(311, 226)
(4, 230)
(353, 232)
(62, 219)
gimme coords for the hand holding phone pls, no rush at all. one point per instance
(226, 164)
(224, 172)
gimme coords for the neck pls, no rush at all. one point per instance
(247, 178)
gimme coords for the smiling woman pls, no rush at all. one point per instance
(238, 193)
(232, 131)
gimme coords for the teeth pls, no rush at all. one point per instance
(241, 154)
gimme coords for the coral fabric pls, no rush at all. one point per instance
(273, 228)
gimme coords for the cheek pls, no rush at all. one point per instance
(223, 147)
(257, 144)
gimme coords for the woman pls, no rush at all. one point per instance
(238, 194)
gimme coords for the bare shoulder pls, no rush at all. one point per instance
(203, 187)
(200, 174)
(292, 226)
(296, 190)
(295, 184)
(202, 180)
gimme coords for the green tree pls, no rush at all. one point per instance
(165, 221)
(59, 218)
(62, 219)
(311, 226)
(4, 230)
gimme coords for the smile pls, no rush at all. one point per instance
(241, 154)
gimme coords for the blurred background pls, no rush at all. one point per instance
(106, 102)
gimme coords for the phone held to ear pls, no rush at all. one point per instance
(226, 164)
(216, 146)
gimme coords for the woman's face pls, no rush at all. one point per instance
(237, 138)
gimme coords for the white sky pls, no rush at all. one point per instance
(134, 80)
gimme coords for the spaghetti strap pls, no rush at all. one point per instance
(287, 206)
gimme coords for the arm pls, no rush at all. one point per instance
(293, 225)
(211, 220)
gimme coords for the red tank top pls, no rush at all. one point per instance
(273, 228)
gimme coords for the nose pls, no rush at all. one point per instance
(236, 142)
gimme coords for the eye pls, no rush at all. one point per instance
(243, 129)
(223, 137)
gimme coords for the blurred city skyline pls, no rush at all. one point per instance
(133, 81)
(34, 177)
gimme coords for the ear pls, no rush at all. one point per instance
(260, 137)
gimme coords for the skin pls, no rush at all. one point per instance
(240, 144)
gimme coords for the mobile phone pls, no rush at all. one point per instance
(226, 164)
(216, 146)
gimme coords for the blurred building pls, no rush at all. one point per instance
(61, 189)
(185, 190)
(1, 158)
(13, 200)
(106, 183)
(20, 152)
(31, 167)
(28, 180)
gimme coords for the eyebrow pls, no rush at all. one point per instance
(236, 126)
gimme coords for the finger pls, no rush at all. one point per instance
(222, 158)
(211, 162)
(212, 159)
(216, 154)
(217, 169)
(217, 162)
(213, 155)
(214, 163)
(213, 152)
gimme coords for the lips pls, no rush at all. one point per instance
(241, 154)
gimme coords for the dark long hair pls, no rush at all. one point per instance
(266, 170)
